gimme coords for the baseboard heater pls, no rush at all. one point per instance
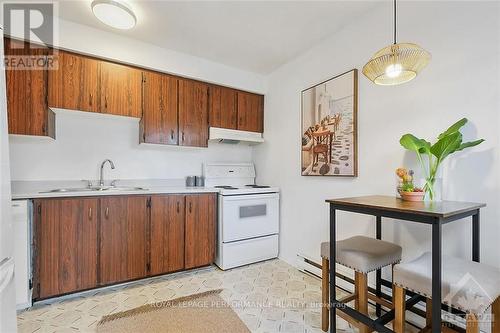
(308, 265)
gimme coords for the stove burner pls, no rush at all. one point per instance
(258, 186)
(226, 187)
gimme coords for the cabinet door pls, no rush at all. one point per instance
(193, 113)
(167, 233)
(222, 108)
(200, 230)
(27, 108)
(159, 119)
(74, 85)
(121, 89)
(250, 112)
(65, 246)
(123, 238)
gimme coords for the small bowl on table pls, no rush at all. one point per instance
(412, 196)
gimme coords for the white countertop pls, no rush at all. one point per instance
(40, 189)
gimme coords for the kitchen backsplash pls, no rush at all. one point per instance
(84, 140)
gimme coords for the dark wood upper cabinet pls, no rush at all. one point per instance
(173, 110)
(222, 107)
(65, 246)
(200, 230)
(167, 233)
(193, 113)
(28, 113)
(159, 119)
(123, 238)
(121, 90)
(250, 112)
(74, 85)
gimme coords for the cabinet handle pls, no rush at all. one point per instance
(106, 213)
(182, 135)
(105, 102)
(190, 207)
(90, 213)
(90, 99)
(171, 134)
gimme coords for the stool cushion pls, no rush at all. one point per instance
(364, 254)
(466, 285)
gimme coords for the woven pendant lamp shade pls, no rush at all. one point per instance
(396, 64)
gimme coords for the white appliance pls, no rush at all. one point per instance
(224, 135)
(22, 211)
(248, 222)
(8, 322)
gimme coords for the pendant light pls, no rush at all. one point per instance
(397, 63)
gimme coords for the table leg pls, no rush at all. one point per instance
(333, 289)
(378, 307)
(436, 276)
(476, 249)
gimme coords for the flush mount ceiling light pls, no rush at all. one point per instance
(397, 63)
(114, 13)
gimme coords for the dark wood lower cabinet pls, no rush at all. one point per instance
(123, 239)
(66, 246)
(200, 230)
(83, 243)
(167, 233)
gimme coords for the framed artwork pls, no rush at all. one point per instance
(329, 127)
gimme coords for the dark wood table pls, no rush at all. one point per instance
(432, 213)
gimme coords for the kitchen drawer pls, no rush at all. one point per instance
(248, 251)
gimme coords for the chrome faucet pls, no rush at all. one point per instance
(101, 180)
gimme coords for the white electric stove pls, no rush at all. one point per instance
(248, 222)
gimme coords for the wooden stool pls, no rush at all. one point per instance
(468, 286)
(363, 255)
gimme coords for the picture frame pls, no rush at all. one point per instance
(329, 126)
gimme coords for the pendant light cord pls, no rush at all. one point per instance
(395, 21)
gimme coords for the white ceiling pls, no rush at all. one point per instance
(257, 36)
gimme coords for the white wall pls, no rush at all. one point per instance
(85, 139)
(461, 81)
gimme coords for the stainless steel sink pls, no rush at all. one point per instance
(64, 190)
(126, 188)
(97, 189)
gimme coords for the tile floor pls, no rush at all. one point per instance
(271, 296)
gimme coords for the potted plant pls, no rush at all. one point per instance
(406, 189)
(447, 143)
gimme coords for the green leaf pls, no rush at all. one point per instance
(470, 144)
(453, 128)
(446, 145)
(426, 147)
(412, 143)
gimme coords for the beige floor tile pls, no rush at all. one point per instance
(87, 305)
(312, 319)
(270, 297)
(295, 316)
(267, 325)
(28, 326)
(134, 301)
(103, 309)
(292, 327)
(86, 322)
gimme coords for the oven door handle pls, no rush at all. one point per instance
(244, 197)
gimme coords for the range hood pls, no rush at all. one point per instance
(224, 135)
